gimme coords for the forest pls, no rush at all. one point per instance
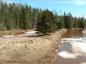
(18, 16)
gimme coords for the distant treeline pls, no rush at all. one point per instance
(17, 16)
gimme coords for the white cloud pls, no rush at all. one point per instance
(64, 2)
(12, 1)
(80, 2)
(2, 0)
(75, 2)
(9, 1)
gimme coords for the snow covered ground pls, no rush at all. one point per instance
(76, 46)
(73, 51)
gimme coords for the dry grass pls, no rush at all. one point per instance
(29, 50)
(12, 32)
(32, 51)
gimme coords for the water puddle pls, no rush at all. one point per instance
(73, 51)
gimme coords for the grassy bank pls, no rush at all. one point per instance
(30, 50)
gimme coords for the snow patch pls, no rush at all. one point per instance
(65, 54)
(83, 63)
(78, 47)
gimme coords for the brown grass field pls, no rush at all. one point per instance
(28, 50)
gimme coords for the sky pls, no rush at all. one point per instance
(76, 7)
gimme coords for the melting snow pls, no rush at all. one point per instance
(66, 54)
(78, 47)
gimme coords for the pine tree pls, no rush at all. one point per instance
(45, 22)
(68, 20)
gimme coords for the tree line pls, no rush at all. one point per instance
(18, 16)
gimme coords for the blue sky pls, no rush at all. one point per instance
(76, 7)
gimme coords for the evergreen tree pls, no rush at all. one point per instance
(81, 23)
(18, 16)
(45, 22)
(68, 20)
(61, 22)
